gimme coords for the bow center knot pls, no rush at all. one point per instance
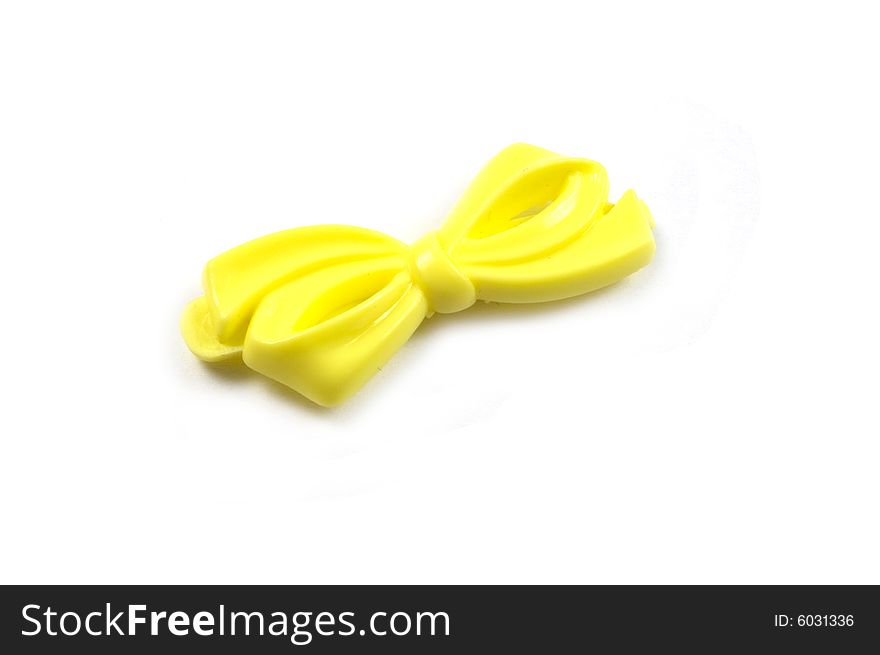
(447, 289)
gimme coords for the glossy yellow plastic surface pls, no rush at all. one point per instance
(321, 309)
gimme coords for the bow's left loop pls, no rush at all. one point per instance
(312, 308)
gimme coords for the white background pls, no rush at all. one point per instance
(714, 418)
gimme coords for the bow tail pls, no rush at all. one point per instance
(325, 335)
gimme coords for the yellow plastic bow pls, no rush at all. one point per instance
(322, 308)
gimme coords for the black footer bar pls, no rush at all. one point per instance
(447, 619)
